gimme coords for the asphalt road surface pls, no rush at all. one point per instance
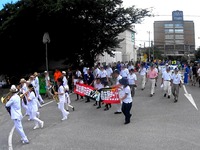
(157, 123)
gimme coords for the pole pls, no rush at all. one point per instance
(149, 45)
(46, 59)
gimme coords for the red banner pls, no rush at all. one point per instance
(107, 95)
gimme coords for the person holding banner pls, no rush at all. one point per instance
(126, 100)
(117, 76)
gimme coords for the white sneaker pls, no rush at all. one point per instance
(42, 124)
(65, 118)
(35, 127)
(25, 142)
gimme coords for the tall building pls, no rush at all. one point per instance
(175, 37)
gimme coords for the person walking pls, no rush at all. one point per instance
(16, 114)
(176, 84)
(152, 75)
(143, 74)
(166, 81)
(126, 100)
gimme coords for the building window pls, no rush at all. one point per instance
(180, 36)
(167, 25)
(178, 25)
(169, 30)
(169, 36)
(169, 42)
(179, 41)
(178, 30)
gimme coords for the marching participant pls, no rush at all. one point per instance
(143, 74)
(176, 84)
(126, 100)
(48, 85)
(132, 80)
(16, 115)
(166, 81)
(62, 99)
(33, 107)
(37, 88)
(23, 89)
(66, 87)
(32, 81)
(152, 75)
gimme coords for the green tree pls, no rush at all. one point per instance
(79, 30)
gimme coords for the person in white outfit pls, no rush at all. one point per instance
(67, 97)
(62, 99)
(37, 88)
(23, 89)
(143, 74)
(166, 81)
(32, 81)
(16, 115)
(117, 76)
(48, 85)
(33, 107)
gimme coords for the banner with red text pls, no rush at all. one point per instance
(107, 95)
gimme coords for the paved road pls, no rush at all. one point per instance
(157, 124)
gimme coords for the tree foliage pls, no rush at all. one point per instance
(79, 30)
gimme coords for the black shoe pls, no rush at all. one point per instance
(87, 101)
(165, 95)
(117, 112)
(151, 95)
(175, 101)
(98, 107)
(127, 122)
(168, 96)
(95, 104)
(105, 109)
(73, 108)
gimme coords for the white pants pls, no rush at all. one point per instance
(37, 92)
(167, 87)
(61, 106)
(19, 129)
(152, 81)
(143, 81)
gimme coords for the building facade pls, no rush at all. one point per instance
(175, 37)
(126, 49)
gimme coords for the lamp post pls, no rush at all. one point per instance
(46, 40)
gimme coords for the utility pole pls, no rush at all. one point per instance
(149, 45)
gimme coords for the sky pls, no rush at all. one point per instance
(162, 9)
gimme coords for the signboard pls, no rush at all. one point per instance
(177, 15)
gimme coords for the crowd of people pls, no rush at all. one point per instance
(123, 76)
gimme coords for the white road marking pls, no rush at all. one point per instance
(10, 147)
(189, 96)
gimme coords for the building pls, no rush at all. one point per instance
(126, 49)
(176, 37)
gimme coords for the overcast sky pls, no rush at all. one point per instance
(164, 9)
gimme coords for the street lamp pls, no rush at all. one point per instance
(46, 40)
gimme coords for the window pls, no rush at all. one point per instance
(168, 25)
(178, 25)
(169, 30)
(180, 36)
(169, 36)
(169, 42)
(179, 41)
(178, 30)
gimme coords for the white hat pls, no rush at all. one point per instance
(63, 72)
(45, 71)
(22, 80)
(166, 64)
(13, 89)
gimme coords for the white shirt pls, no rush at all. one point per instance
(103, 74)
(143, 71)
(32, 104)
(65, 83)
(109, 71)
(78, 73)
(96, 72)
(37, 85)
(61, 94)
(15, 104)
(118, 78)
(176, 78)
(132, 78)
(166, 75)
(124, 72)
(127, 91)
